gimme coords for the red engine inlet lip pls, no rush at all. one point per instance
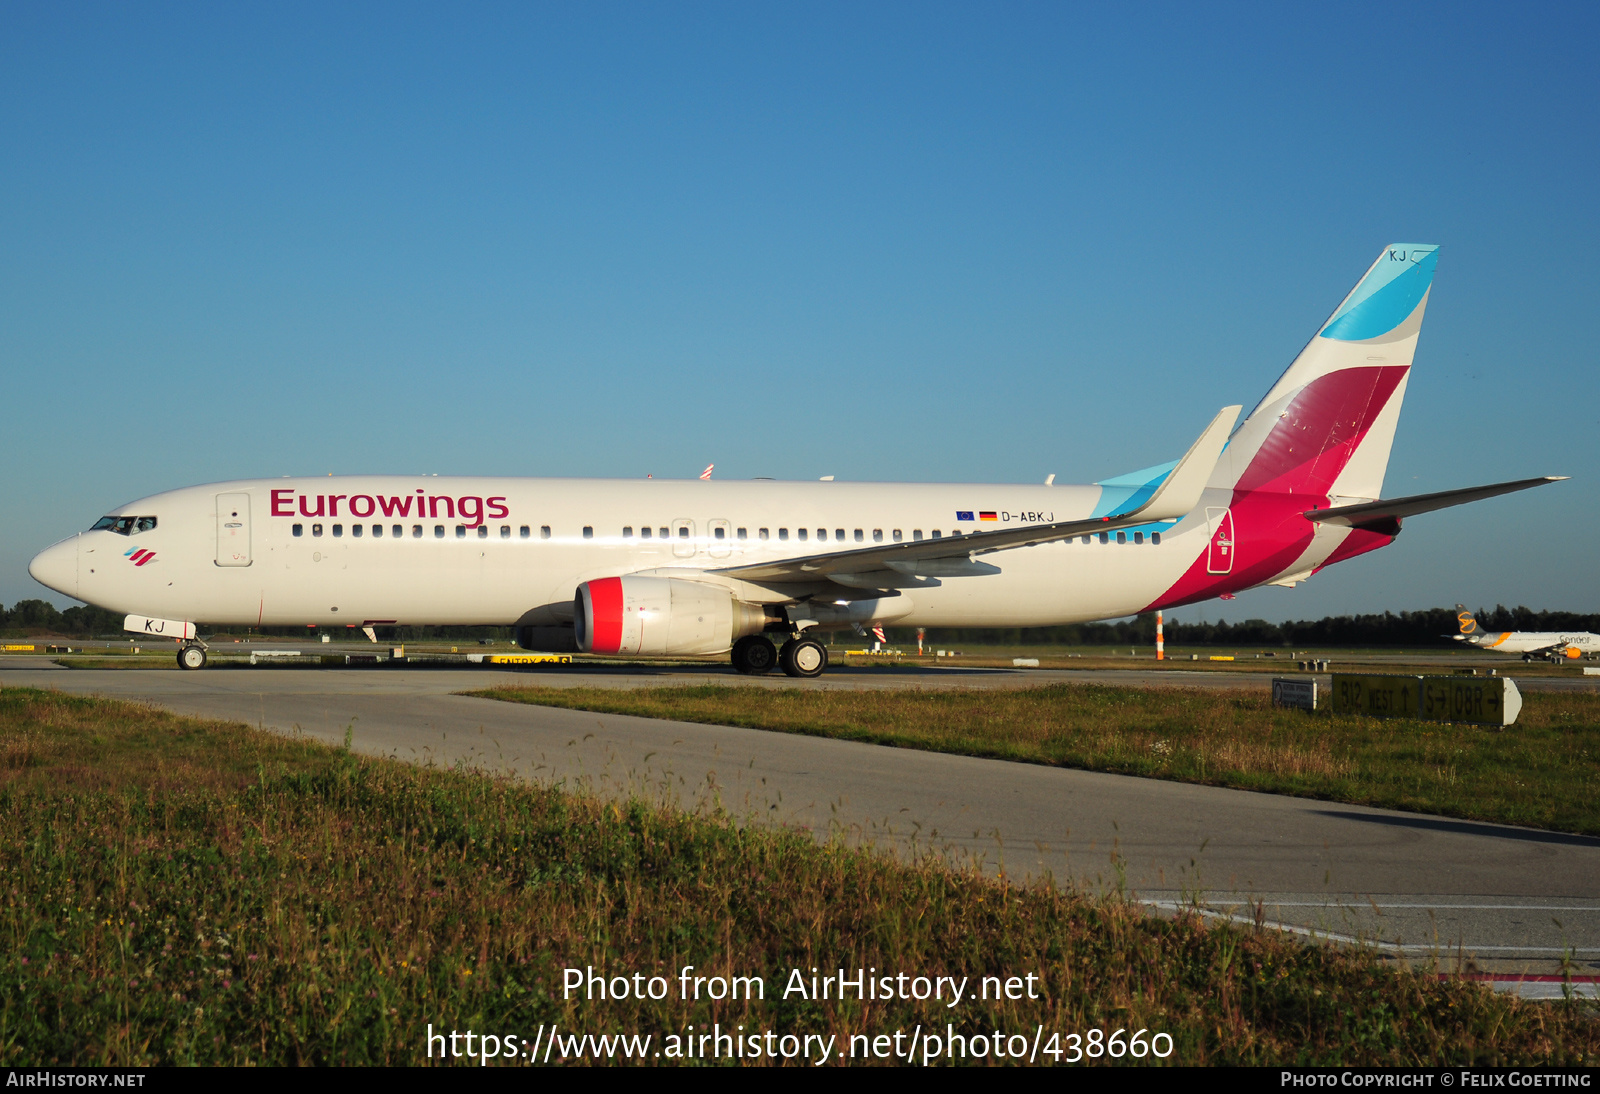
(602, 622)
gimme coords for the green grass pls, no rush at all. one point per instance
(188, 892)
(1543, 772)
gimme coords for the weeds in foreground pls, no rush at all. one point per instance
(178, 891)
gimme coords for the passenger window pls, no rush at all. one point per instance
(416, 531)
(742, 534)
(761, 533)
(316, 529)
(588, 531)
(483, 531)
(461, 531)
(916, 534)
(338, 530)
(627, 531)
(661, 533)
(298, 530)
(1155, 539)
(438, 531)
(505, 531)
(719, 532)
(838, 534)
(1105, 537)
(898, 535)
(803, 535)
(877, 535)
(822, 535)
(683, 531)
(377, 531)
(1086, 539)
(1122, 537)
(644, 533)
(355, 530)
(1138, 537)
(544, 531)
(936, 533)
(397, 531)
(783, 534)
(524, 531)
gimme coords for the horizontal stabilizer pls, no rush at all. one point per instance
(1387, 514)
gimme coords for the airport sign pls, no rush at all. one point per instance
(1491, 700)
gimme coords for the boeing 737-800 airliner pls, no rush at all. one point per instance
(660, 567)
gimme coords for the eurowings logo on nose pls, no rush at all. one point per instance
(138, 555)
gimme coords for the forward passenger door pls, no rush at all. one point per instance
(233, 529)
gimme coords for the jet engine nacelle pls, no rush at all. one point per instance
(662, 615)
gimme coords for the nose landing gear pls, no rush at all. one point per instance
(191, 655)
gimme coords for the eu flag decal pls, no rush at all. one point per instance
(963, 514)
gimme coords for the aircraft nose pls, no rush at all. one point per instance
(57, 567)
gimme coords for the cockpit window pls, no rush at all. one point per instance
(124, 526)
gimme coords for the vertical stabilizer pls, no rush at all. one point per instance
(1325, 428)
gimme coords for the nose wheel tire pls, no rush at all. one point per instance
(192, 657)
(803, 657)
(754, 655)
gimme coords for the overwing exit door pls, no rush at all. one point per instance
(233, 529)
(683, 544)
(1219, 555)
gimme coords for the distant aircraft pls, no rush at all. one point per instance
(1531, 644)
(653, 567)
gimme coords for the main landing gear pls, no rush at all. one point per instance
(803, 656)
(755, 655)
(191, 656)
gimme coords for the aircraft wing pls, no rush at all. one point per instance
(906, 565)
(1386, 515)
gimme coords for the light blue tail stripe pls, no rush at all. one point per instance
(1388, 294)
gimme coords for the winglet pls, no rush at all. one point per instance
(1180, 493)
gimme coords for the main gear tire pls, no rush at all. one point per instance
(803, 657)
(754, 655)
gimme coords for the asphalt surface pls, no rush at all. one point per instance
(1498, 899)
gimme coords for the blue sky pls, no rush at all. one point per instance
(975, 242)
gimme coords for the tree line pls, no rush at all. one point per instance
(1430, 627)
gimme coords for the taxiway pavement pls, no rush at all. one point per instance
(1506, 899)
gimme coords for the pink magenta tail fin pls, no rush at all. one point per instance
(1326, 427)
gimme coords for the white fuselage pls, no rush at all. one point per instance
(507, 551)
(1537, 641)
